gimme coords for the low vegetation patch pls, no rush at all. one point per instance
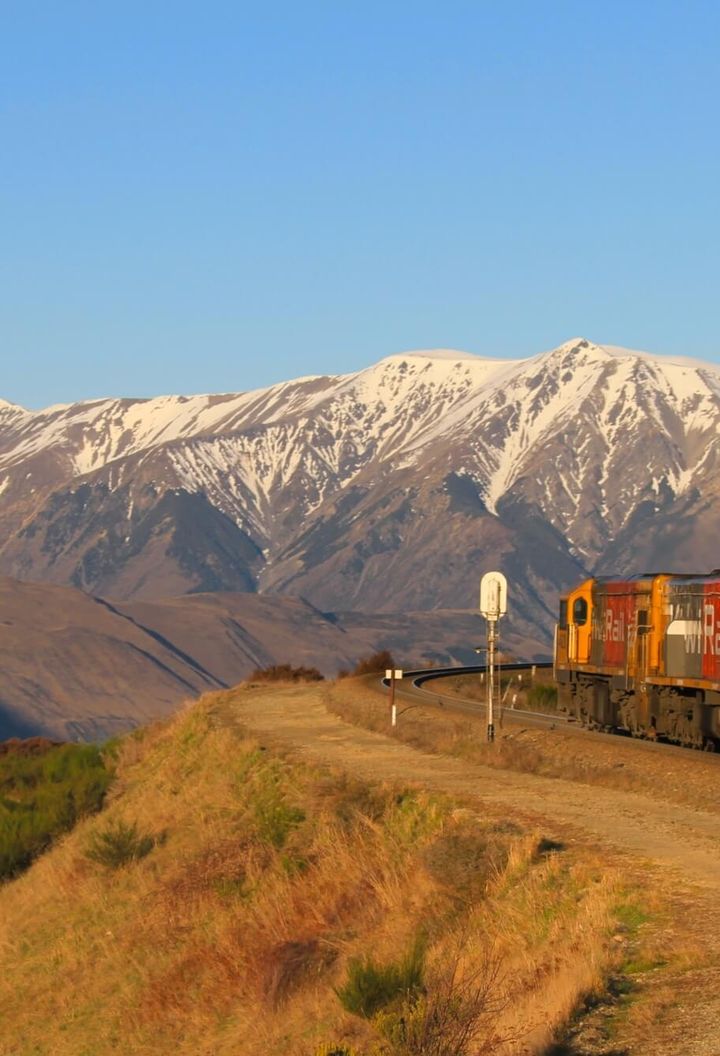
(286, 673)
(451, 1010)
(519, 689)
(457, 1014)
(542, 697)
(118, 844)
(371, 987)
(269, 799)
(44, 789)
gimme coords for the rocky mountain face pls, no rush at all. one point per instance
(392, 489)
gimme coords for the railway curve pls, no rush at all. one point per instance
(413, 692)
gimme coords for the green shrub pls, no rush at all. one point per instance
(455, 1015)
(371, 987)
(542, 696)
(118, 845)
(43, 794)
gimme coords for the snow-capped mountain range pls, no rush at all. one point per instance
(393, 488)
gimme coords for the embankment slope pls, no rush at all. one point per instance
(269, 878)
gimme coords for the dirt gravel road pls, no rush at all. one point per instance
(677, 836)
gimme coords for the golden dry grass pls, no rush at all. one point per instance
(267, 878)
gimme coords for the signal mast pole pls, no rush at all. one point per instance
(493, 605)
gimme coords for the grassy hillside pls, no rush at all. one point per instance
(230, 900)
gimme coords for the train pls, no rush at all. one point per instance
(642, 656)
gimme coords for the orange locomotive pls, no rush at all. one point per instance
(643, 655)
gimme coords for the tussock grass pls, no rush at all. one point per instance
(275, 887)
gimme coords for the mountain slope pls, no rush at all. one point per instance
(76, 667)
(390, 489)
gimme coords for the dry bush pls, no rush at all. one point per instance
(376, 663)
(465, 860)
(226, 868)
(350, 800)
(286, 673)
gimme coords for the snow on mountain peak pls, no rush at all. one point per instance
(394, 409)
(438, 353)
(580, 436)
(655, 357)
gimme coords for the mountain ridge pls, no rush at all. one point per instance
(390, 488)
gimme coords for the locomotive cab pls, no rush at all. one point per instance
(572, 635)
(572, 640)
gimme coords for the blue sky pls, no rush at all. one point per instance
(212, 197)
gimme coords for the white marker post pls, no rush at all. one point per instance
(493, 605)
(393, 676)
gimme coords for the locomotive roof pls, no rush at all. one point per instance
(605, 580)
(684, 576)
(687, 578)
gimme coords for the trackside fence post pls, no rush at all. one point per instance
(393, 675)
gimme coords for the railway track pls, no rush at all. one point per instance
(412, 690)
(415, 691)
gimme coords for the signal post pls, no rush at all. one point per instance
(493, 605)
